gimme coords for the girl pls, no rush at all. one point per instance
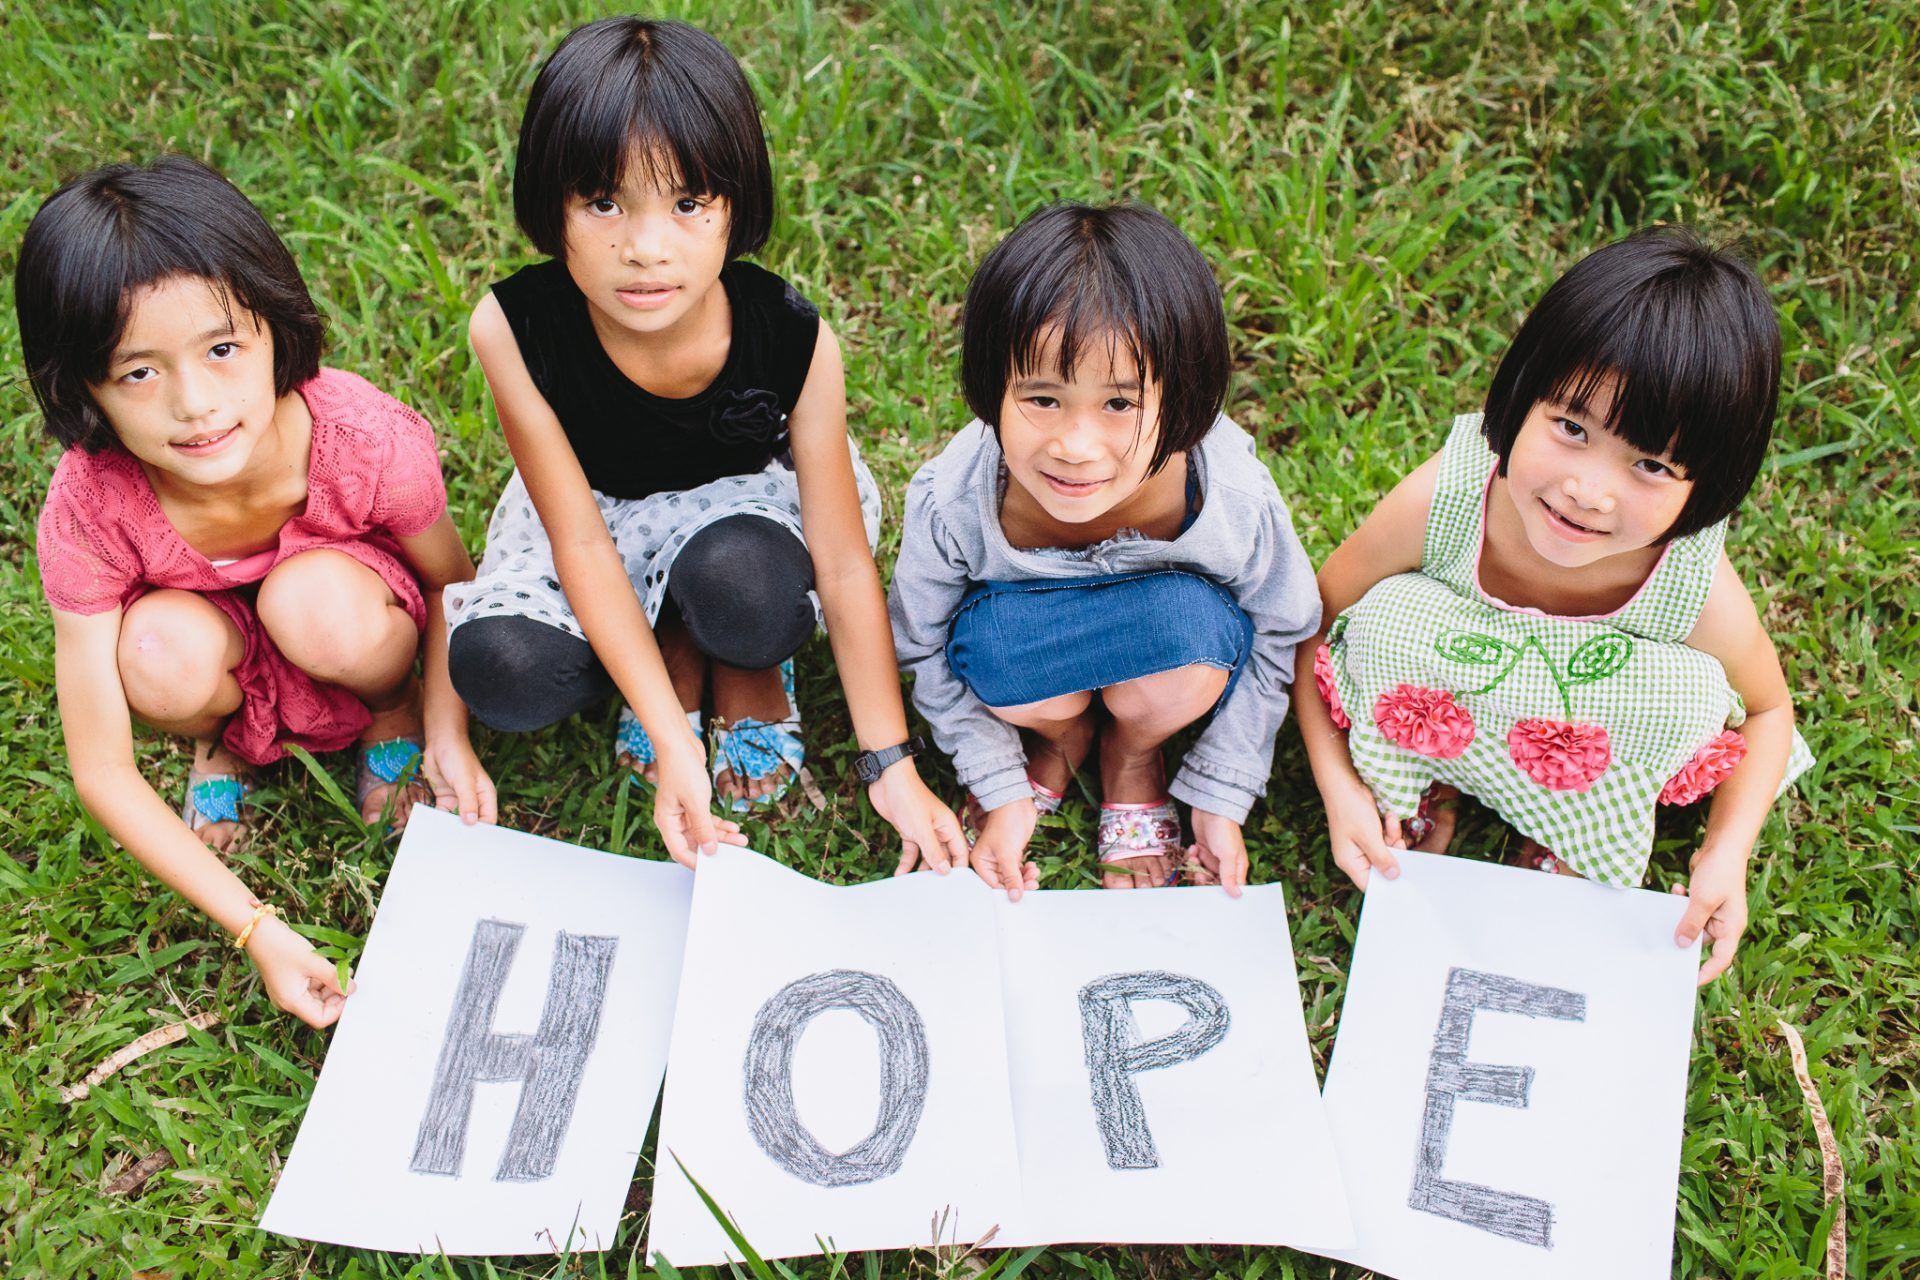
(1101, 555)
(1542, 614)
(684, 480)
(238, 545)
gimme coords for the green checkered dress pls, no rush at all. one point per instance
(1569, 728)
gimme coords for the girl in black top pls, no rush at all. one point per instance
(684, 482)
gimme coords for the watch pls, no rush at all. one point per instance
(869, 765)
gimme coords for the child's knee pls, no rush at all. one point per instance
(1184, 691)
(741, 587)
(326, 613)
(175, 649)
(518, 674)
(1067, 706)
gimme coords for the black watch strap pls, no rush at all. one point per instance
(869, 765)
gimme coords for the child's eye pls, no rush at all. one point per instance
(1120, 404)
(1655, 467)
(134, 377)
(223, 350)
(689, 205)
(603, 205)
(1043, 402)
(1572, 430)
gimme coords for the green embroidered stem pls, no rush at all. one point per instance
(1595, 659)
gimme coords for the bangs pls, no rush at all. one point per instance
(1687, 339)
(660, 101)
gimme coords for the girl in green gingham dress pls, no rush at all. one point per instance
(1543, 616)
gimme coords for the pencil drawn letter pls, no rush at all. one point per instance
(1450, 1076)
(547, 1064)
(771, 1114)
(1114, 1052)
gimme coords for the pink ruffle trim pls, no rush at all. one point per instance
(1708, 769)
(1323, 677)
(1425, 721)
(1560, 756)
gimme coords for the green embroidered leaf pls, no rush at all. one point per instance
(1473, 648)
(1599, 658)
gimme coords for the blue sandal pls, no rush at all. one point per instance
(633, 749)
(751, 749)
(386, 764)
(213, 797)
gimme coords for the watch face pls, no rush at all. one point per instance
(865, 767)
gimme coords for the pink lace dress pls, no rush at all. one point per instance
(373, 478)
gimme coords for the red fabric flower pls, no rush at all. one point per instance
(1323, 676)
(1708, 769)
(1425, 721)
(1560, 756)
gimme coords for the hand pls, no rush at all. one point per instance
(999, 855)
(298, 979)
(459, 782)
(683, 805)
(929, 832)
(1363, 837)
(1717, 901)
(1221, 848)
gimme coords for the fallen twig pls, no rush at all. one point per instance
(1834, 1175)
(136, 1177)
(157, 1038)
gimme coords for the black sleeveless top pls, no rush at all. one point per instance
(632, 443)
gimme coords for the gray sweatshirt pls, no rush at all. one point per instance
(1243, 539)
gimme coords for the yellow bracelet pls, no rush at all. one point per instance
(260, 913)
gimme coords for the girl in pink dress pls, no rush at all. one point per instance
(238, 545)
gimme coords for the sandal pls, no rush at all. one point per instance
(1129, 831)
(633, 749)
(213, 797)
(387, 763)
(751, 749)
(972, 816)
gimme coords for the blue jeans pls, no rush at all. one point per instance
(1018, 642)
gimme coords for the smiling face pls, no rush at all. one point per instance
(1581, 492)
(189, 387)
(648, 255)
(1080, 448)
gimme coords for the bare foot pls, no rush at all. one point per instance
(687, 668)
(1133, 777)
(212, 756)
(401, 720)
(740, 695)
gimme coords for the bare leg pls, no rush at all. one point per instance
(1442, 808)
(686, 667)
(338, 621)
(1144, 714)
(176, 656)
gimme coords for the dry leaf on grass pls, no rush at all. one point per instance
(136, 1177)
(1834, 1176)
(157, 1038)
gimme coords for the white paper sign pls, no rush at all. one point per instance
(490, 1082)
(838, 1073)
(1163, 1088)
(1509, 1082)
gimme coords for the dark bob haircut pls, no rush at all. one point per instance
(1117, 274)
(1689, 338)
(109, 233)
(658, 93)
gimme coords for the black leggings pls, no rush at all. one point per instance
(739, 585)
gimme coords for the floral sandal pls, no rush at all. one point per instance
(212, 798)
(1130, 831)
(384, 764)
(752, 749)
(633, 749)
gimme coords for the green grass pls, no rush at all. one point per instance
(1382, 190)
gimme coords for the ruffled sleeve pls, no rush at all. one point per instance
(88, 560)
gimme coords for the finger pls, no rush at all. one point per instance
(917, 840)
(909, 857)
(1354, 861)
(666, 817)
(1233, 874)
(700, 828)
(1723, 949)
(1699, 911)
(951, 836)
(1012, 874)
(489, 799)
(1392, 832)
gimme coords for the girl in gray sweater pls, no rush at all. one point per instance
(1101, 559)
